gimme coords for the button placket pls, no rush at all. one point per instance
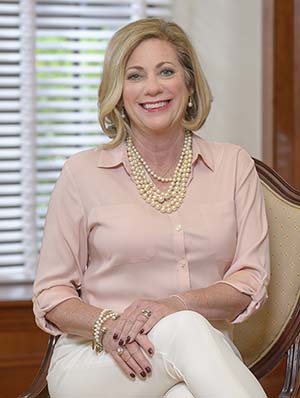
(182, 268)
(178, 227)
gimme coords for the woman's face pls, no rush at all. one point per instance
(155, 95)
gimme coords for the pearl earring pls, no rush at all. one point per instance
(123, 114)
(190, 103)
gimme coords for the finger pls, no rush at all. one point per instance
(123, 365)
(125, 332)
(136, 353)
(136, 328)
(132, 364)
(133, 324)
(118, 328)
(145, 344)
(117, 332)
(153, 320)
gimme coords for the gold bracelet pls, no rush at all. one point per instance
(99, 330)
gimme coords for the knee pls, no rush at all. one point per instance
(191, 321)
(187, 317)
(180, 329)
(183, 323)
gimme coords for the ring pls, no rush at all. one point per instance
(120, 350)
(147, 313)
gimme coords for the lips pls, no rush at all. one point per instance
(156, 105)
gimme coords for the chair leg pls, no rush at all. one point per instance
(291, 387)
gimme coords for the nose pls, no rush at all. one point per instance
(153, 86)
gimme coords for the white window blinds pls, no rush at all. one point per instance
(51, 54)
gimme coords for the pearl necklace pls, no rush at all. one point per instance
(170, 200)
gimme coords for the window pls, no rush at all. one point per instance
(51, 54)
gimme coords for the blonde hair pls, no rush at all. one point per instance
(119, 49)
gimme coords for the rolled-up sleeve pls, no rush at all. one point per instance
(250, 268)
(63, 254)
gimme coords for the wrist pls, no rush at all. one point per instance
(180, 300)
(100, 328)
(109, 324)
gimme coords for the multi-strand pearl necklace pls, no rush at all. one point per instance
(170, 200)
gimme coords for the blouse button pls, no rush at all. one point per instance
(182, 263)
(178, 227)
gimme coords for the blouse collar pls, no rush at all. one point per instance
(109, 158)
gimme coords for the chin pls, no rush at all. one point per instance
(159, 126)
(159, 129)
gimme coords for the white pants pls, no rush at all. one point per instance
(192, 360)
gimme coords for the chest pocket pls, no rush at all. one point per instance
(121, 234)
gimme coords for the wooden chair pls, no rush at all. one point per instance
(274, 331)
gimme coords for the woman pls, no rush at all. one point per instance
(163, 233)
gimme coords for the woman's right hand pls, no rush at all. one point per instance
(132, 360)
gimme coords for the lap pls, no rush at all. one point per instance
(76, 370)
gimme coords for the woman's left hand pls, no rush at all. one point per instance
(142, 315)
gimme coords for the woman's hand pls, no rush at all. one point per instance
(135, 322)
(131, 360)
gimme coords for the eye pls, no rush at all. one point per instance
(134, 76)
(167, 72)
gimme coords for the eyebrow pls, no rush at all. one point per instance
(157, 66)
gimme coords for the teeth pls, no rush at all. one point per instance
(157, 105)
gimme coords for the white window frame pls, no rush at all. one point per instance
(28, 124)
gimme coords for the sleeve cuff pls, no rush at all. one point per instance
(257, 300)
(46, 301)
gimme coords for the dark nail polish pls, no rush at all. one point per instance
(148, 369)
(115, 336)
(132, 375)
(141, 331)
(150, 351)
(121, 342)
(128, 338)
(143, 374)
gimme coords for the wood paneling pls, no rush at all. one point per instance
(22, 344)
(273, 382)
(281, 92)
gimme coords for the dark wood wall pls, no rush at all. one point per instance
(22, 344)
(281, 80)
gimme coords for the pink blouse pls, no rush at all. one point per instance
(102, 237)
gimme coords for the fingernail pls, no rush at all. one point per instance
(115, 336)
(150, 351)
(143, 374)
(128, 339)
(141, 331)
(148, 369)
(132, 375)
(121, 342)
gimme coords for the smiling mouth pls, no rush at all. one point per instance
(155, 105)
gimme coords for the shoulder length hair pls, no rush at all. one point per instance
(119, 49)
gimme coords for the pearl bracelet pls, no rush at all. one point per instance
(181, 299)
(99, 330)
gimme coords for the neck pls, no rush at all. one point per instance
(161, 152)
